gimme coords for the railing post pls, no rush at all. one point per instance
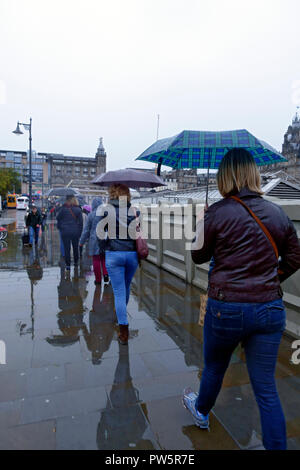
(159, 245)
(190, 267)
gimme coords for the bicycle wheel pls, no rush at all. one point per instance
(3, 233)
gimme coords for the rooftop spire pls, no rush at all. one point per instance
(100, 146)
(296, 120)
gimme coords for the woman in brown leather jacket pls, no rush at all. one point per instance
(254, 247)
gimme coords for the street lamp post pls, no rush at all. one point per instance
(17, 131)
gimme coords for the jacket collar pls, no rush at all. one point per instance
(115, 202)
(245, 192)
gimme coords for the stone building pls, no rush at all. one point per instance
(54, 170)
(185, 178)
(291, 149)
(75, 171)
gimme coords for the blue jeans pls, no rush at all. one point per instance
(121, 266)
(259, 326)
(33, 234)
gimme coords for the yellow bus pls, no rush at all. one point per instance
(11, 201)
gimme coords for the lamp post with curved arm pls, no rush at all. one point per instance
(17, 131)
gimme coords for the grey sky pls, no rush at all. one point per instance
(85, 69)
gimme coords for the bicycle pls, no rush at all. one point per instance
(3, 233)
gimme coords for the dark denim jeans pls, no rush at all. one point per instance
(259, 326)
(67, 240)
(61, 244)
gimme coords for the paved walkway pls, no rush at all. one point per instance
(67, 384)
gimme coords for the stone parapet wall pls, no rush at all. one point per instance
(171, 254)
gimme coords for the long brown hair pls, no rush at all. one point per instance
(119, 190)
(237, 171)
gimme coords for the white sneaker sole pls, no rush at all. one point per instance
(197, 423)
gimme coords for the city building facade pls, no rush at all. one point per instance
(54, 170)
(19, 161)
(184, 179)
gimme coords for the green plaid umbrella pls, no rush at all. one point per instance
(202, 149)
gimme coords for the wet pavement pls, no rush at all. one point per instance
(68, 384)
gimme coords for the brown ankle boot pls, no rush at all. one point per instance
(123, 335)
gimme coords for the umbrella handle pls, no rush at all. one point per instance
(207, 179)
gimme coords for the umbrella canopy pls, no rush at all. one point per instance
(132, 179)
(201, 149)
(63, 192)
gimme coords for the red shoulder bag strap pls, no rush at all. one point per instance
(262, 226)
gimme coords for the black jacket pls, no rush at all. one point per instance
(115, 224)
(245, 265)
(69, 220)
(32, 220)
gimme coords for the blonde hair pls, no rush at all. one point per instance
(118, 190)
(238, 170)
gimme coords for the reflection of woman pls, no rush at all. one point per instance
(101, 324)
(43, 248)
(120, 254)
(123, 424)
(70, 317)
(245, 297)
(34, 270)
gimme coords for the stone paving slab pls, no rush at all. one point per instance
(169, 414)
(37, 436)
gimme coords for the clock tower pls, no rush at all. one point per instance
(291, 148)
(100, 158)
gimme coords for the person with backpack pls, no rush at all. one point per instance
(44, 218)
(96, 247)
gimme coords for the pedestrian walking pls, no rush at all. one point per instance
(33, 223)
(255, 247)
(44, 218)
(96, 247)
(120, 251)
(69, 223)
(61, 244)
(86, 210)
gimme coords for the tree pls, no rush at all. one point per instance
(9, 181)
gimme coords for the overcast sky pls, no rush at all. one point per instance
(92, 68)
